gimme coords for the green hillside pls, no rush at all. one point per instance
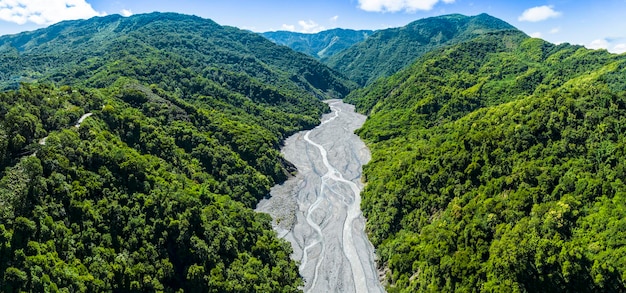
(497, 166)
(319, 45)
(80, 52)
(154, 191)
(387, 51)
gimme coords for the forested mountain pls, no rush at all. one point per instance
(69, 52)
(498, 166)
(319, 45)
(153, 191)
(387, 51)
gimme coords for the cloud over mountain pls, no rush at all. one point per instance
(126, 12)
(611, 45)
(307, 26)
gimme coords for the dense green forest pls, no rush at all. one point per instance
(387, 51)
(497, 166)
(154, 191)
(320, 45)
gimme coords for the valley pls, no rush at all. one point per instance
(454, 154)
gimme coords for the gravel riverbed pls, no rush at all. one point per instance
(318, 210)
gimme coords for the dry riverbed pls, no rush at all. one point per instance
(318, 211)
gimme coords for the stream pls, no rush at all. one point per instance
(318, 210)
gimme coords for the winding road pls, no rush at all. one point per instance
(82, 118)
(318, 210)
(42, 141)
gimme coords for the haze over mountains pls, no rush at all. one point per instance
(497, 159)
(320, 45)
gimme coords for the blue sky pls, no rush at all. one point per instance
(595, 24)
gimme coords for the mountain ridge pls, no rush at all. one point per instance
(110, 28)
(387, 51)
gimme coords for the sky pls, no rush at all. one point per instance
(596, 24)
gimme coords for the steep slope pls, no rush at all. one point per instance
(154, 190)
(387, 51)
(497, 166)
(319, 45)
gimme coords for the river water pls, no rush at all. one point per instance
(318, 210)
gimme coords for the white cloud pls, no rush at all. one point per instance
(536, 35)
(619, 48)
(607, 44)
(126, 12)
(305, 26)
(309, 26)
(555, 30)
(598, 44)
(334, 18)
(44, 12)
(399, 5)
(539, 13)
(289, 27)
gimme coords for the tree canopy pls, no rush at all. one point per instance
(497, 166)
(154, 191)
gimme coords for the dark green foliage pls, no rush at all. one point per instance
(387, 51)
(497, 166)
(154, 191)
(320, 45)
(131, 199)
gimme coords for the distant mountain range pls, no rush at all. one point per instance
(319, 45)
(390, 50)
(384, 52)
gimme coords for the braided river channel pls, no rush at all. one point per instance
(318, 210)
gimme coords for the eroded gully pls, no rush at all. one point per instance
(318, 211)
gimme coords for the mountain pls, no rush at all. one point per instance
(497, 166)
(132, 151)
(319, 45)
(75, 45)
(387, 51)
